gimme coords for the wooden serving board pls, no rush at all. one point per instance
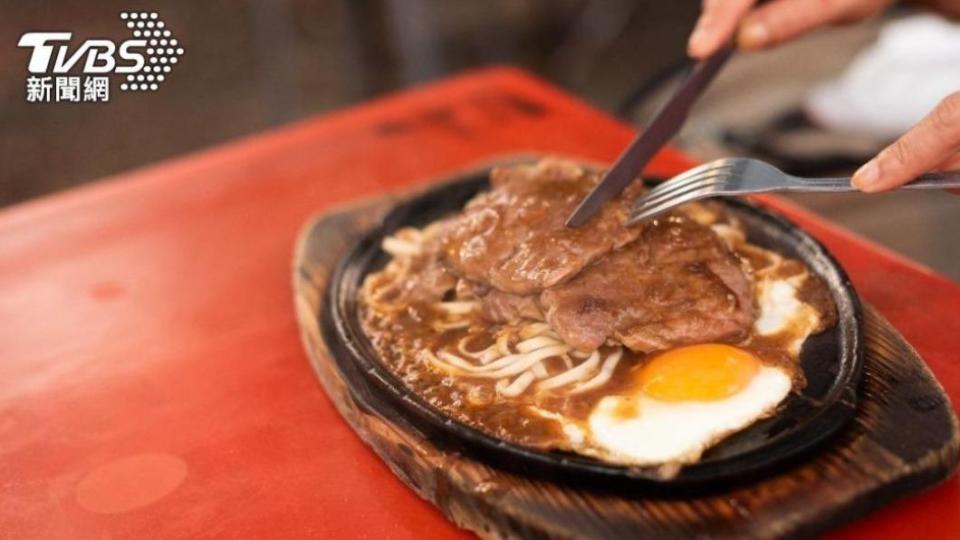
(903, 439)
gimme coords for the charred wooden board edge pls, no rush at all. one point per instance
(869, 465)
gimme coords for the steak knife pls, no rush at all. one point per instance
(664, 126)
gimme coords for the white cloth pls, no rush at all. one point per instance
(895, 82)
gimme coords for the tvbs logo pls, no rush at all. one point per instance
(63, 72)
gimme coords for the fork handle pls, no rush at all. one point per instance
(934, 180)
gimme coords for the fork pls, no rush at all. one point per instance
(739, 176)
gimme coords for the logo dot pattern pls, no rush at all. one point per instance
(163, 49)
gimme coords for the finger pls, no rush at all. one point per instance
(952, 164)
(716, 25)
(782, 20)
(927, 146)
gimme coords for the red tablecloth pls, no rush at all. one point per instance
(152, 381)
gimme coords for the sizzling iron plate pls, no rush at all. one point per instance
(831, 362)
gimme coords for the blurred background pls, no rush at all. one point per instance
(251, 65)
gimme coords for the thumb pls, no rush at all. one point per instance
(925, 147)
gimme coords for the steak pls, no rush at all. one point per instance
(513, 237)
(426, 281)
(677, 284)
(498, 306)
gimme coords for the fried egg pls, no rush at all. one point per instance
(683, 401)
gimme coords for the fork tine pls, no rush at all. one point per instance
(647, 212)
(684, 180)
(703, 182)
(687, 176)
(670, 202)
(699, 169)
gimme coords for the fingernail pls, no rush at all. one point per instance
(754, 35)
(866, 177)
(695, 44)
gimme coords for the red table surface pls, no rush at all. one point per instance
(152, 381)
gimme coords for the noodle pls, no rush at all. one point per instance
(450, 325)
(502, 345)
(457, 361)
(484, 356)
(516, 387)
(398, 247)
(540, 371)
(458, 308)
(523, 361)
(536, 343)
(603, 376)
(572, 375)
(535, 329)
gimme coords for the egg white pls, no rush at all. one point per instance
(679, 431)
(781, 312)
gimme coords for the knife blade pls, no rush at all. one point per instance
(664, 126)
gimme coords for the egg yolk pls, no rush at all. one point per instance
(698, 373)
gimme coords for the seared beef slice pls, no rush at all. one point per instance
(513, 237)
(677, 284)
(498, 306)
